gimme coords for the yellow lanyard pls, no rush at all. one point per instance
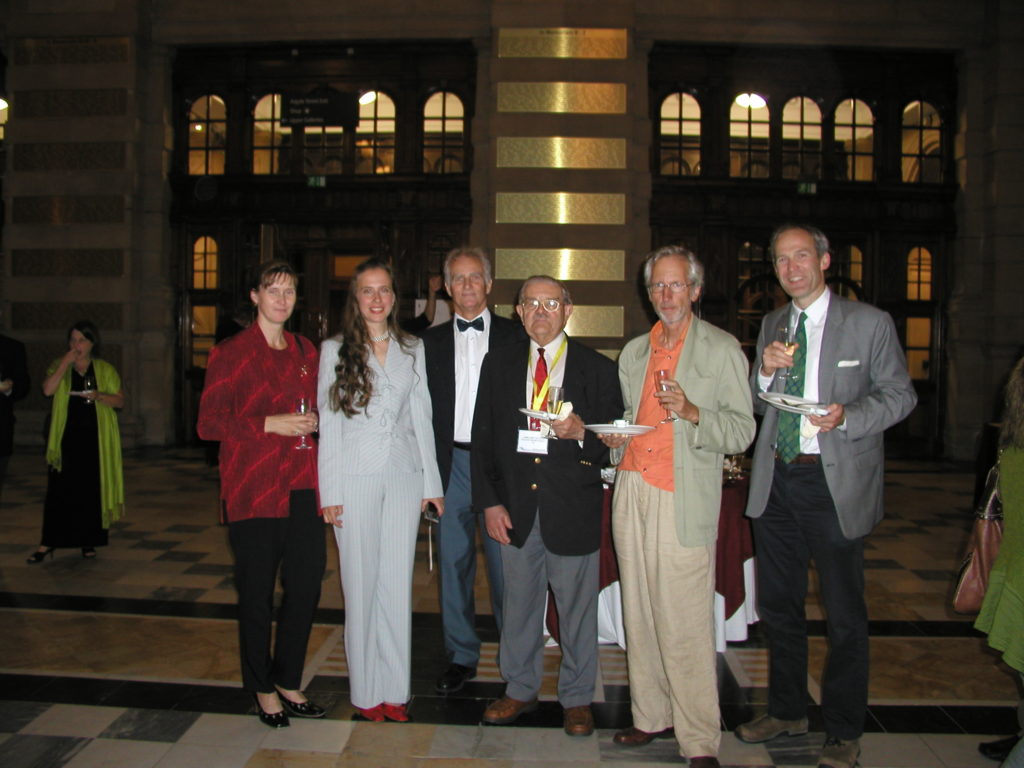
(542, 395)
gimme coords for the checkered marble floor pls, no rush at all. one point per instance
(131, 659)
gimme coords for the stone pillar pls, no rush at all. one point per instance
(986, 324)
(86, 231)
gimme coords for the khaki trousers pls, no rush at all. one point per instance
(668, 602)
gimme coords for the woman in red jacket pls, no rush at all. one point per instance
(258, 402)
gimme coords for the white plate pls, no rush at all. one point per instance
(793, 404)
(612, 429)
(538, 414)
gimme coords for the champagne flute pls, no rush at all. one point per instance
(88, 385)
(303, 407)
(787, 336)
(556, 396)
(662, 377)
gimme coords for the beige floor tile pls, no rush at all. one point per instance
(119, 753)
(282, 758)
(192, 756)
(73, 720)
(310, 736)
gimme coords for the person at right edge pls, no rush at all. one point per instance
(1002, 612)
(816, 488)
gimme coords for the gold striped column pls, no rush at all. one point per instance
(567, 187)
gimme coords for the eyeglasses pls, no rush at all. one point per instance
(532, 305)
(675, 286)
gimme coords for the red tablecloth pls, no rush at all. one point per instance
(734, 547)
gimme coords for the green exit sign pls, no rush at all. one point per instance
(316, 181)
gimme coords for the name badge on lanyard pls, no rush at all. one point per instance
(541, 395)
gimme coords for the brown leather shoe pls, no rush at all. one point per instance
(579, 721)
(704, 762)
(506, 710)
(634, 737)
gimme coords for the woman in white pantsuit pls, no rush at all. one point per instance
(378, 472)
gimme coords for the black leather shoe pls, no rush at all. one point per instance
(999, 749)
(275, 720)
(454, 678)
(303, 709)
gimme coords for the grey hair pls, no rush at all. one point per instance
(566, 298)
(467, 251)
(821, 246)
(696, 269)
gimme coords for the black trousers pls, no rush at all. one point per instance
(800, 523)
(262, 546)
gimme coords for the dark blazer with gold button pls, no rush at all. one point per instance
(563, 487)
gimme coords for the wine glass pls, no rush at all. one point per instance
(88, 385)
(662, 377)
(556, 396)
(787, 336)
(303, 407)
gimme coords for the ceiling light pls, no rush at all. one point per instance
(751, 101)
(368, 97)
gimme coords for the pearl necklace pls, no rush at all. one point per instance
(385, 337)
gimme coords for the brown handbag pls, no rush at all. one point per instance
(982, 548)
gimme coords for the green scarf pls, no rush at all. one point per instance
(111, 475)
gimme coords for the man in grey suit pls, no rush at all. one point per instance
(816, 487)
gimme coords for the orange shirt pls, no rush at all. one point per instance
(651, 454)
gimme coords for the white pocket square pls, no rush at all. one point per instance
(847, 363)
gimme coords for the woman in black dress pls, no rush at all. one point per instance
(85, 492)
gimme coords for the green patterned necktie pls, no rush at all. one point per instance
(789, 423)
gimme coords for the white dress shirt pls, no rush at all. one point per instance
(814, 328)
(556, 368)
(470, 348)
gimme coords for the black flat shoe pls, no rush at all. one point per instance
(303, 708)
(454, 678)
(275, 720)
(39, 555)
(998, 749)
(88, 553)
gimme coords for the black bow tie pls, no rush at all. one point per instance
(478, 324)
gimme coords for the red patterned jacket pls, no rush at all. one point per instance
(246, 381)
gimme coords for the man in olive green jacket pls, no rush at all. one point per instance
(667, 498)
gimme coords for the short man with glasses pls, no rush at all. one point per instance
(816, 487)
(542, 500)
(668, 492)
(454, 352)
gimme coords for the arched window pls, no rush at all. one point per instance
(922, 143)
(919, 274)
(854, 141)
(375, 134)
(801, 139)
(207, 136)
(204, 314)
(748, 137)
(444, 148)
(271, 141)
(679, 132)
(204, 264)
(322, 150)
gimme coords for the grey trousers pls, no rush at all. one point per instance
(574, 580)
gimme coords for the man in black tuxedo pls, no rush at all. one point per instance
(542, 499)
(454, 353)
(13, 386)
